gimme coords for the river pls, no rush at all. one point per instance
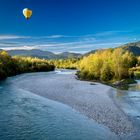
(28, 116)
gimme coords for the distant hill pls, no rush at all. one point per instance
(131, 47)
(43, 54)
(33, 53)
(69, 55)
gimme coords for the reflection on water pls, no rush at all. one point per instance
(25, 116)
(135, 87)
(121, 93)
(129, 100)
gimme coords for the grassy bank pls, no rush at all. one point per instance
(120, 84)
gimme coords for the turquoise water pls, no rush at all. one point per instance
(26, 116)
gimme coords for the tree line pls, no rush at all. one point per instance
(10, 66)
(69, 63)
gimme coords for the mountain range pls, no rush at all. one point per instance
(43, 54)
(131, 47)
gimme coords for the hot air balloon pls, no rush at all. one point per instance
(27, 13)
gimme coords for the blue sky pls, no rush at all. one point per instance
(69, 25)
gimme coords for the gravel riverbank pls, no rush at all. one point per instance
(91, 100)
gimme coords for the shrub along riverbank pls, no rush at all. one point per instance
(10, 66)
(111, 66)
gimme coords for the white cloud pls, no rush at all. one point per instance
(109, 33)
(55, 36)
(19, 48)
(7, 37)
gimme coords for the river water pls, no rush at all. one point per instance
(129, 102)
(26, 116)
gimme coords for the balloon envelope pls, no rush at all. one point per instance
(27, 13)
